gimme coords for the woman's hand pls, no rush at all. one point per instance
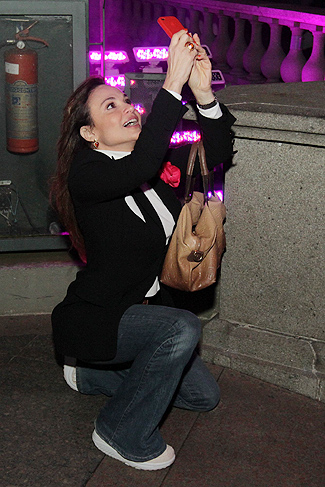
(180, 62)
(201, 76)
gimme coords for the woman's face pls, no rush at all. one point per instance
(117, 124)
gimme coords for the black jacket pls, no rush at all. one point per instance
(124, 253)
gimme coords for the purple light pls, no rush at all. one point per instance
(140, 108)
(150, 53)
(186, 136)
(112, 56)
(95, 57)
(115, 81)
(220, 195)
(116, 56)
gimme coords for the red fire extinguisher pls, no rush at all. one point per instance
(21, 94)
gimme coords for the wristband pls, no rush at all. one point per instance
(209, 105)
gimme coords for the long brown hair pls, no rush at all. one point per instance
(75, 115)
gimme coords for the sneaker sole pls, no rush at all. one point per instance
(153, 464)
(69, 374)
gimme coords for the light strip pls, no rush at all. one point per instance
(116, 57)
(185, 136)
(115, 81)
(156, 53)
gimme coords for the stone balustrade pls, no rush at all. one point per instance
(249, 43)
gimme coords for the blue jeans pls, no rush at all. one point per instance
(155, 366)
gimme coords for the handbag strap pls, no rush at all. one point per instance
(197, 148)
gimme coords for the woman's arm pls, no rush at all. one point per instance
(216, 132)
(217, 139)
(94, 180)
(95, 177)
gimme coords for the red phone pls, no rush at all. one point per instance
(171, 25)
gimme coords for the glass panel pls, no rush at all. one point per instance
(24, 204)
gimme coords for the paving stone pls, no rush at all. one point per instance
(260, 435)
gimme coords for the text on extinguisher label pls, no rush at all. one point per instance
(11, 68)
(21, 107)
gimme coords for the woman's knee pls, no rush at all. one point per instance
(163, 326)
(188, 326)
(178, 330)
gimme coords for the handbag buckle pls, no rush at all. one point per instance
(195, 256)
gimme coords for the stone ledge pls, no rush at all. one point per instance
(285, 106)
(34, 283)
(292, 362)
(37, 259)
(279, 136)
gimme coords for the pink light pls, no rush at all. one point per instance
(95, 56)
(117, 56)
(150, 53)
(186, 136)
(220, 195)
(140, 108)
(115, 81)
(113, 56)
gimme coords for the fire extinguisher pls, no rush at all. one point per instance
(21, 67)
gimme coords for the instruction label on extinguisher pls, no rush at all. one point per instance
(11, 68)
(21, 110)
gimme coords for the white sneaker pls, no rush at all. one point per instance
(70, 376)
(162, 461)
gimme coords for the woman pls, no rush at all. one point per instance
(117, 321)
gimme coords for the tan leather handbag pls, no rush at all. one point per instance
(198, 242)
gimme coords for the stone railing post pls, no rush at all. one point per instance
(146, 22)
(141, 17)
(169, 9)
(254, 53)
(194, 21)
(274, 55)
(237, 48)
(314, 69)
(221, 43)
(182, 15)
(206, 29)
(293, 63)
(155, 33)
(132, 21)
